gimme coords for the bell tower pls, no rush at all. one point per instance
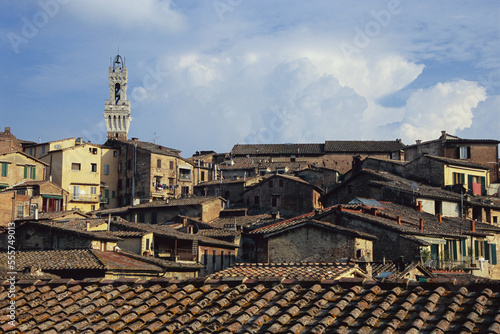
(117, 108)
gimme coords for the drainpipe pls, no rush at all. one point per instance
(134, 157)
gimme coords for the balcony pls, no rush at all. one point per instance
(89, 198)
(104, 199)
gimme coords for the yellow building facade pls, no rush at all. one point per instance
(77, 169)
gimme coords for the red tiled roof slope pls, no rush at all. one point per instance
(249, 306)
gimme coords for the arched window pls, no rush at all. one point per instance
(117, 93)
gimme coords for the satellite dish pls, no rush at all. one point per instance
(414, 186)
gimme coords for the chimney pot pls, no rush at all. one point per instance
(419, 207)
(440, 218)
(399, 220)
(421, 224)
(7, 129)
(473, 226)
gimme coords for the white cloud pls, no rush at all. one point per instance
(144, 14)
(444, 106)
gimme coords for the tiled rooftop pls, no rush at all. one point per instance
(267, 149)
(195, 200)
(300, 271)
(363, 146)
(250, 306)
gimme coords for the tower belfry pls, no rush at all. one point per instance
(117, 108)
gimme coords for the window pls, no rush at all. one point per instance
(222, 267)
(214, 260)
(147, 244)
(140, 217)
(76, 192)
(5, 169)
(158, 163)
(171, 165)
(120, 167)
(60, 243)
(43, 149)
(274, 201)
(93, 168)
(29, 172)
(464, 152)
(256, 200)
(171, 181)
(205, 258)
(93, 190)
(113, 194)
(76, 166)
(154, 217)
(20, 211)
(458, 178)
(184, 174)
(106, 170)
(115, 154)
(93, 150)
(106, 196)
(202, 176)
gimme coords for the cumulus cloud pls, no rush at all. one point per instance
(444, 106)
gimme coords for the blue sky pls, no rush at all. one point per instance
(205, 75)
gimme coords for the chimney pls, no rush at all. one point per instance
(440, 218)
(418, 141)
(375, 212)
(7, 129)
(473, 226)
(135, 139)
(88, 225)
(419, 206)
(421, 224)
(399, 220)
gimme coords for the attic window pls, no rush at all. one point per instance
(464, 152)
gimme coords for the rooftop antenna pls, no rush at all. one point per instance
(154, 137)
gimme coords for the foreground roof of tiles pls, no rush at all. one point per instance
(351, 305)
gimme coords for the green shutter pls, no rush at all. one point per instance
(454, 178)
(25, 172)
(462, 178)
(34, 173)
(5, 169)
(476, 248)
(464, 248)
(469, 183)
(493, 253)
(483, 185)
(486, 250)
(455, 250)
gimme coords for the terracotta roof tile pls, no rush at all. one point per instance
(262, 307)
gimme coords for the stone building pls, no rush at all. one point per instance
(9, 142)
(334, 154)
(308, 240)
(479, 151)
(289, 195)
(148, 171)
(18, 167)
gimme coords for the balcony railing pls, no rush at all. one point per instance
(85, 198)
(465, 263)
